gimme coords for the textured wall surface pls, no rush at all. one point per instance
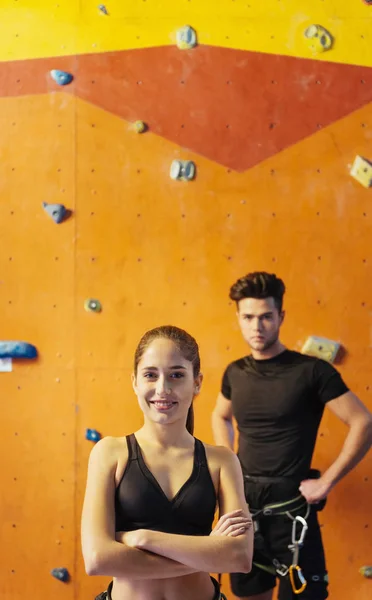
(273, 131)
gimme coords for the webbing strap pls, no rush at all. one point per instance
(279, 508)
(267, 568)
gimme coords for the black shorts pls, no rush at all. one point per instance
(272, 541)
(218, 594)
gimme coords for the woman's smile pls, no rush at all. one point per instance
(162, 405)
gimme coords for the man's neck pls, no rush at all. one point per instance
(271, 352)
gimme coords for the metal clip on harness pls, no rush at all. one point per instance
(295, 547)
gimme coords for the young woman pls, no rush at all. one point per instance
(151, 497)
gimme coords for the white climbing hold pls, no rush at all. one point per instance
(186, 38)
(182, 170)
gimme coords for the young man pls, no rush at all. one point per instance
(277, 397)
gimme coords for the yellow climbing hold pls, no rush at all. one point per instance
(362, 171)
(139, 126)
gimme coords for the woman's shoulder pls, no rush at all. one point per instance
(110, 447)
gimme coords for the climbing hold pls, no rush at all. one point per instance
(366, 571)
(321, 348)
(188, 172)
(92, 435)
(183, 170)
(61, 77)
(319, 39)
(61, 573)
(5, 365)
(92, 305)
(362, 171)
(57, 211)
(367, 2)
(176, 169)
(17, 350)
(139, 126)
(186, 38)
(102, 8)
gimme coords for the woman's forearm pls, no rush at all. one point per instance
(114, 559)
(211, 554)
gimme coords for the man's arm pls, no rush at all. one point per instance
(212, 554)
(350, 410)
(222, 422)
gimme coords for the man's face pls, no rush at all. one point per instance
(259, 322)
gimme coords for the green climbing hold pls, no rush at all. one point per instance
(92, 305)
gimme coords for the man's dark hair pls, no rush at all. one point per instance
(259, 285)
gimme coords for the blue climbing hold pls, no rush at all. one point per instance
(61, 77)
(17, 350)
(61, 573)
(92, 435)
(57, 211)
(102, 8)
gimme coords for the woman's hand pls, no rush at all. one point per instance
(132, 539)
(119, 536)
(232, 524)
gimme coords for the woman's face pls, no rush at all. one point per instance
(165, 385)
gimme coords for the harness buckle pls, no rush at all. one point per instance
(281, 569)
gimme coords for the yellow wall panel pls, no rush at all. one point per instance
(273, 27)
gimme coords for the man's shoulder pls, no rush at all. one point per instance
(294, 357)
(287, 359)
(307, 360)
(288, 356)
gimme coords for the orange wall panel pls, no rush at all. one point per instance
(156, 251)
(39, 516)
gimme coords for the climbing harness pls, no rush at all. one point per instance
(281, 508)
(294, 570)
(288, 508)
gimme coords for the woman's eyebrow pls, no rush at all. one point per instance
(156, 368)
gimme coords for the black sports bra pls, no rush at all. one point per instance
(140, 502)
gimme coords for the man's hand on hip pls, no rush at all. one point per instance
(315, 490)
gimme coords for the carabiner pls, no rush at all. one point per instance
(300, 541)
(302, 579)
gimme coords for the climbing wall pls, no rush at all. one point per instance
(273, 124)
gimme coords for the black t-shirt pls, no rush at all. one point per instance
(278, 404)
